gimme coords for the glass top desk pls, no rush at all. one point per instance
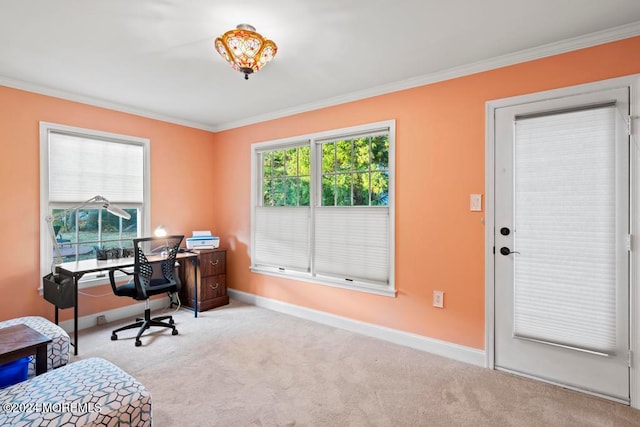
(77, 269)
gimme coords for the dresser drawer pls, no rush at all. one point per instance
(213, 287)
(211, 278)
(212, 263)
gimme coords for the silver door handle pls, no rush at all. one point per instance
(506, 251)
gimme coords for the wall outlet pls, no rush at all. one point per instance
(438, 299)
(101, 320)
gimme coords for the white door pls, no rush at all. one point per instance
(561, 252)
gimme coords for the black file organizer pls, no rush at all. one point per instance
(59, 290)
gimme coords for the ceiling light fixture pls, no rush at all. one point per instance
(245, 49)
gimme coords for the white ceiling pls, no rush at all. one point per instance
(156, 57)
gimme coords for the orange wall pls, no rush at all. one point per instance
(440, 161)
(440, 149)
(179, 198)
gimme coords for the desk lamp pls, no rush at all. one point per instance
(160, 231)
(94, 200)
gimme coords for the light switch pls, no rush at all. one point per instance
(475, 203)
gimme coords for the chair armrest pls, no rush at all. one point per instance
(113, 272)
(112, 278)
(122, 270)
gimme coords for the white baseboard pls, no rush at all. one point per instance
(441, 348)
(133, 310)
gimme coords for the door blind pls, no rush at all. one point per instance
(565, 229)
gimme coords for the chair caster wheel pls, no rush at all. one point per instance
(171, 322)
(138, 343)
(114, 337)
(174, 332)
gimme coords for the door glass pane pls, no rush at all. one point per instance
(565, 230)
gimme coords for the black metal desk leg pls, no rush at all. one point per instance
(75, 318)
(74, 344)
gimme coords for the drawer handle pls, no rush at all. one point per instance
(213, 264)
(214, 287)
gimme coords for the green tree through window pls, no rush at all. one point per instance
(285, 175)
(355, 172)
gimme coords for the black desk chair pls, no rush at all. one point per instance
(144, 284)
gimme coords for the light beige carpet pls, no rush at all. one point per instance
(242, 365)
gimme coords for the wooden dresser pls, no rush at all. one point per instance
(212, 283)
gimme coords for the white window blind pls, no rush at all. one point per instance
(565, 230)
(80, 168)
(282, 237)
(352, 243)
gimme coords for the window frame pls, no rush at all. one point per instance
(47, 207)
(315, 141)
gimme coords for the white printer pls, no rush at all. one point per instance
(202, 240)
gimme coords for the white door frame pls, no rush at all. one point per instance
(634, 297)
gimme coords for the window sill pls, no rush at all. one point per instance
(388, 291)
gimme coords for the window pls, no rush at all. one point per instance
(323, 208)
(77, 165)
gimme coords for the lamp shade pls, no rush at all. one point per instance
(245, 49)
(117, 211)
(160, 231)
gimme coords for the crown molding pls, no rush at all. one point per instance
(568, 45)
(98, 102)
(564, 46)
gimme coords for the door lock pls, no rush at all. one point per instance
(505, 231)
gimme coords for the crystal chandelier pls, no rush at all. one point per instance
(245, 49)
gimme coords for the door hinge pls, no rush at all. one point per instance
(629, 242)
(629, 121)
(630, 358)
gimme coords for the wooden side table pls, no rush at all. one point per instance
(20, 341)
